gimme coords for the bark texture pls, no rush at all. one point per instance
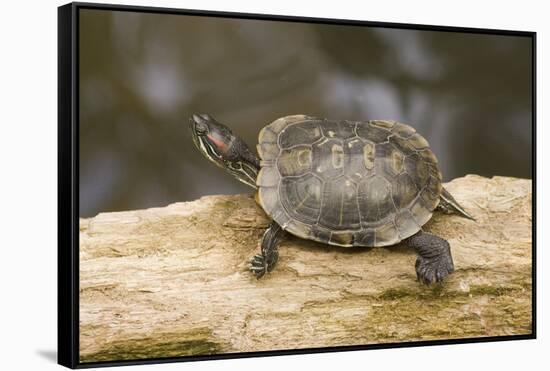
(173, 281)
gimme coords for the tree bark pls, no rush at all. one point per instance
(173, 281)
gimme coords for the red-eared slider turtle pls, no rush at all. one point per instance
(344, 183)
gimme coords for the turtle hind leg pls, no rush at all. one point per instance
(449, 205)
(265, 261)
(434, 261)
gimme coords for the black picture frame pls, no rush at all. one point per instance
(68, 182)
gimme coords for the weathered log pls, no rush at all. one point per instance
(173, 281)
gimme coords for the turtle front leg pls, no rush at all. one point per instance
(434, 261)
(266, 260)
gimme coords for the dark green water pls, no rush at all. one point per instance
(142, 75)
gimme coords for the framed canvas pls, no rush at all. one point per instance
(236, 185)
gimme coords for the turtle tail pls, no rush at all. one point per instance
(449, 205)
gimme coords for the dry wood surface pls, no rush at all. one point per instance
(173, 281)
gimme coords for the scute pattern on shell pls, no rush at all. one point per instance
(347, 183)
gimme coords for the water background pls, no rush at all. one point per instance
(142, 75)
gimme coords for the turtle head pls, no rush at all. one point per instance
(218, 144)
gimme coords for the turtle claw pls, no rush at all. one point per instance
(259, 265)
(431, 271)
(434, 261)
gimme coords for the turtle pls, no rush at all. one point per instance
(338, 182)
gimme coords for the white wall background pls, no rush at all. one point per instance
(28, 185)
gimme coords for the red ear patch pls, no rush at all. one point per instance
(219, 143)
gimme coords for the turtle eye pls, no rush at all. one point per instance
(199, 124)
(201, 128)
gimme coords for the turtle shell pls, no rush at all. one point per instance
(347, 183)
